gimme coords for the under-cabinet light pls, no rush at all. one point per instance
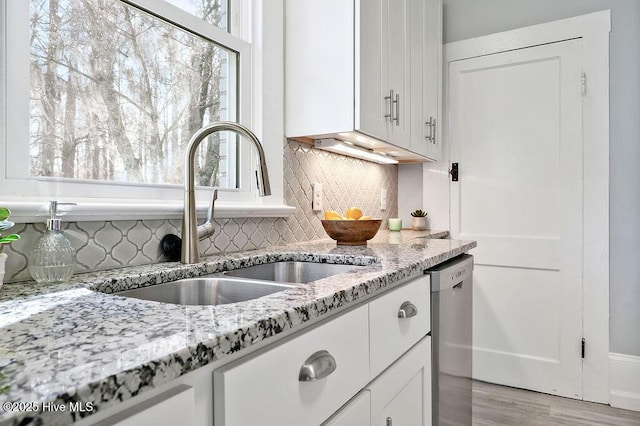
(340, 147)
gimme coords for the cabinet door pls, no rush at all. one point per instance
(419, 143)
(372, 73)
(399, 60)
(402, 394)
(432, 92)
(356, 413)
(426, 77)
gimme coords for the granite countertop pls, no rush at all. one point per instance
(72, 342)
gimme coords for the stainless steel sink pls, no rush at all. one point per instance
(291, 272)
(238, 285)
(205, 291)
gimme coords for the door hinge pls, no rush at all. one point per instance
(583, 83)
(454, 172)
(584, 344)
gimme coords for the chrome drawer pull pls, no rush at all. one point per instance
(407, 310)
(397, 102)
(317, 367)
(431, 124)
(390, 98)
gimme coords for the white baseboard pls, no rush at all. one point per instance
(624, 381)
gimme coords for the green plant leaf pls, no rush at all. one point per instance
(9, 238)
(4, 213)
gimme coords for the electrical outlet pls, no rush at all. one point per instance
(383, 199)
(316, 200)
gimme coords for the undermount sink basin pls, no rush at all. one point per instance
(205, 291)
(238, 285)
(291, 272)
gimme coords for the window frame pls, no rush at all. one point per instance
(27, 194)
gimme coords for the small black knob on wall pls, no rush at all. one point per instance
(171, 246)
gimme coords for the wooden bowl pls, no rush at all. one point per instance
(351, 232)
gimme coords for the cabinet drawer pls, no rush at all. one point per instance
(175, 406)
(391, 335)
(266, 388)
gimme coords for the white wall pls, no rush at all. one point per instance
(410, 192)
(465, 19)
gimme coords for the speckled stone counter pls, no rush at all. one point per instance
(73, 342)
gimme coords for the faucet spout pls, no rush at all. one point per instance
(190, 231)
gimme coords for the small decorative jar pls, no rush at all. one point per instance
(419, 223)
(395, 224)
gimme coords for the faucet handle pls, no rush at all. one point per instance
(206, 229)
(214, 197)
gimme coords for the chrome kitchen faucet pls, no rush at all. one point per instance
(192, 233)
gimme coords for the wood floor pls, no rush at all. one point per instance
(495, 405)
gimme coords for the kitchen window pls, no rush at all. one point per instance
(102, 97)
(116, 93)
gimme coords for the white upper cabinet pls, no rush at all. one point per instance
(383, 60)
(399, 63)
(432, 80)
(426, 77)
(359, 68)
(372, 110)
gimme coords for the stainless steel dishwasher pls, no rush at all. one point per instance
(451, 337)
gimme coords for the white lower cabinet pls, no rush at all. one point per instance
(373, 361)
(173, 407)
(299, 382)
(356, 413)
(397, 321)
(402, 394)
(368, 366)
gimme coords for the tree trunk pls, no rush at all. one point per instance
(104, 50)
(147, 91)
(69, 130)
(50, 95)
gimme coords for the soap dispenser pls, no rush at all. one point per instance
(53, 258)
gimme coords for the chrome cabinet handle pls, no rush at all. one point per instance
(433, 127)
(317, 367)
(389, 421)
(390, 99)
(407, 310)
(397, 102)
(431, 124)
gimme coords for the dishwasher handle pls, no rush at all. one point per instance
(451, 273)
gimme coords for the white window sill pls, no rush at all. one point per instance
(126, 209)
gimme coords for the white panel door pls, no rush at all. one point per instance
(516, 132)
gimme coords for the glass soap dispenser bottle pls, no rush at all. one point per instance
(53, 258)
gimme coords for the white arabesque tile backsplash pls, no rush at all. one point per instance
(112, 244)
